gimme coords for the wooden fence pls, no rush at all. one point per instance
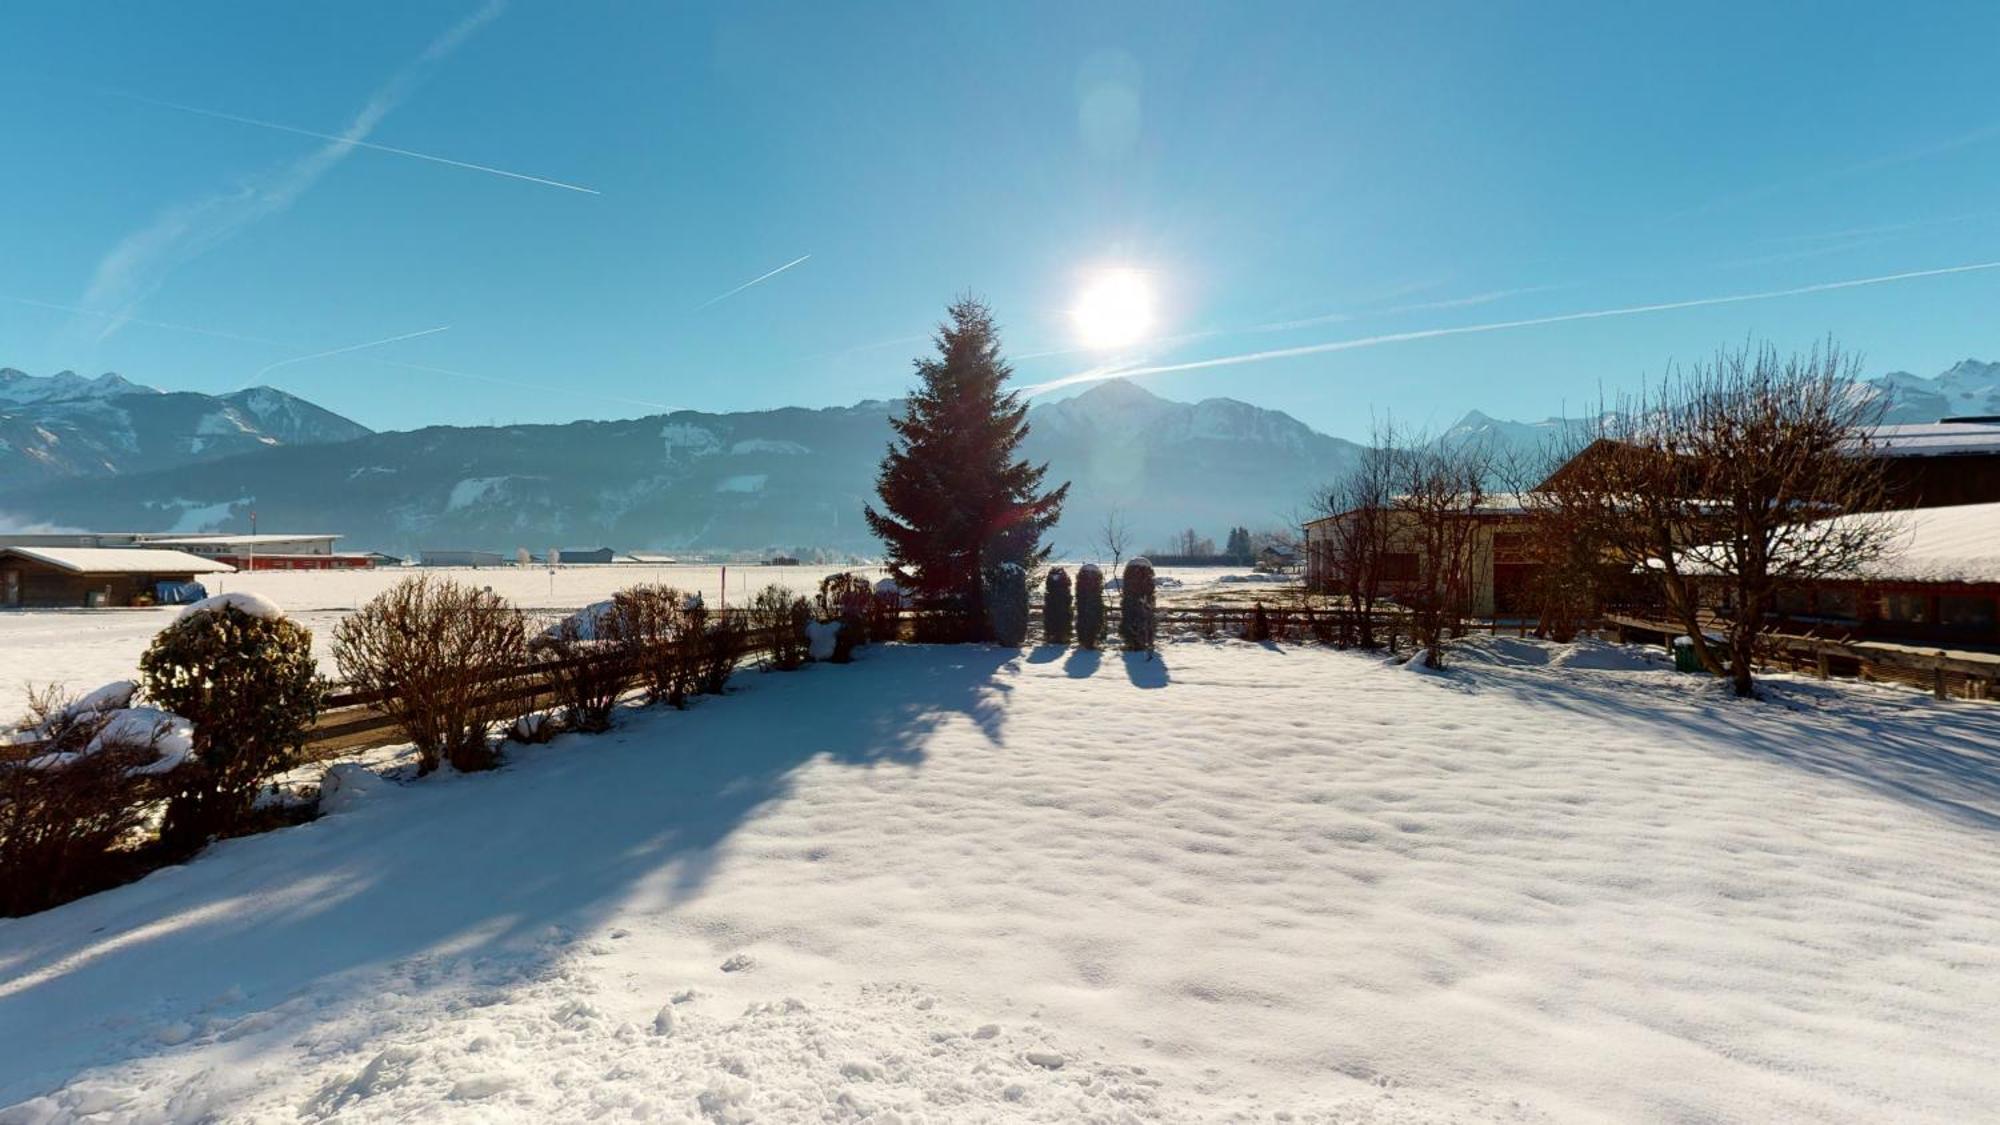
(1945, 673)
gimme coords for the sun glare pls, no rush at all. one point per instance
(1114, 310)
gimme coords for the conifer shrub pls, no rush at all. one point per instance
(1007, 605)
(1058, 608)
(441, 656)
(1135, 606)
(244, 675)
(779, 619)
(1089, 606)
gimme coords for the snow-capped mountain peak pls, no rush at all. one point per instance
(18, 388)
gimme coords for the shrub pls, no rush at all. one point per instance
(722, 645)
(1089, 606)
(1259, 629)
(885, 613)
(244, 675)
(850, 600)
(74, 788)
(665, 637)
(440, 655)
(588, 661)
(779, 619)
(1058, 611)
(1007, 605)
(1135, 606)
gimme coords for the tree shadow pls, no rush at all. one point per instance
(1082, 663)
(1146, 669)
(1942, 758)
(474, 870)
(1045, 654)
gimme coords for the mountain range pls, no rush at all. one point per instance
(686, 481)
(66, 426)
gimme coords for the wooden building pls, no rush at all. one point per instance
(1501, 569)
(58, 577)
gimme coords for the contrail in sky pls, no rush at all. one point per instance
(355, 142)
(752, 281)
(349, 348)
(81, 311)
(1493, 326)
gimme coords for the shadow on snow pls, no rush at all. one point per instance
(482, 866)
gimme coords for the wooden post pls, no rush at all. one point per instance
(1937, 680)
(1822, 666)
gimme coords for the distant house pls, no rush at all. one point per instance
(455, 557)
(653, 558)
(594, 555)
(54, 577)
(1502, 570)
(270, 551)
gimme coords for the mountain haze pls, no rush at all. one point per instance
(699, 481)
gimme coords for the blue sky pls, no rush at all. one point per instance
(1370, 170)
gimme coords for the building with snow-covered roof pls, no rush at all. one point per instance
(1502, 570)
(63, 576)
(269, 551)
(1948, 463)
(1937, 583)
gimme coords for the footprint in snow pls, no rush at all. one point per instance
(738, 962)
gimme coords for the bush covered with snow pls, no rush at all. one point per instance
(1136, 625)
(87, 773)
(1089, 606)
(822, 639)
(1007, 605)
(244, 675)
(436, 652)
(588, 660)
(1058, 610)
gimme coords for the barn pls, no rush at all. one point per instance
(58, 577)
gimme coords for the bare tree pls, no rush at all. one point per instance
(1569, 576)
(1441, 493)
(1355, 544)
(1115, 537)
(1727, 476)
(1780, 444)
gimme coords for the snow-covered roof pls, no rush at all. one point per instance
(119, 560)
(223, 539)
(1935, 439)
(1955, 544)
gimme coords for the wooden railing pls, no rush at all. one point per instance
(1945, 673)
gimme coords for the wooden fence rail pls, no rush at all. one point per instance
(1945, 673)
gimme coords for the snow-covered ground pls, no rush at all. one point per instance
(85, 648)
(1233, 882)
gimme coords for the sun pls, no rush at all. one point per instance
(1114, 309)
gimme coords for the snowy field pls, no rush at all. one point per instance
(85, 648)
(949, 885)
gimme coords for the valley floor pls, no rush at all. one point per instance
(1231, 882)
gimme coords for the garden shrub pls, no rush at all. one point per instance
(441, 655)
(76, 784)
(722, 644)
(885, 613)
(1058, 610)
(665, 626)
(589, 663)
(243, 673)
(779, 619)
(1007, 605)
(1089, 606)
(1259, 629)
(850, 600)
(1135, 606)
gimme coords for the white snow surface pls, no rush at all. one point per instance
(1227, 883)
(246, 602)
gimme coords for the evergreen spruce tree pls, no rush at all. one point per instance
(957, 504)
